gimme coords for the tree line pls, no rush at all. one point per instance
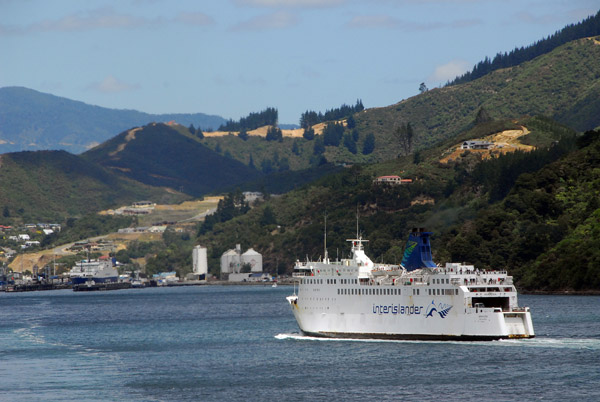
(267, 117)
(310, 118)
(586, 28)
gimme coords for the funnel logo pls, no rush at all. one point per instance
(410, 246)
(441, 309)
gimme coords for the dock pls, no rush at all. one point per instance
(84, 287)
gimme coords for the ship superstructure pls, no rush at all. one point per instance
(356, 298)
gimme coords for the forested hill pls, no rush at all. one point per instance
(33, 120)
(54, 185)
(170, 156)
(584, 29)
(563, 84)
(544, 231)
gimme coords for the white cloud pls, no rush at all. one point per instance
(194, 19)
(110, 84)
(99, 18)
(385, 21)
(104, 18)
(374, 21)
(276, 20)
(291, 3)
(449, 71)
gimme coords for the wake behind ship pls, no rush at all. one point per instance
(417, 300)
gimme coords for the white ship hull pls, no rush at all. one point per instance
(399, 317)
(355, 299)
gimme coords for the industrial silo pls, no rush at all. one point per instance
(200, 264)
(254, 259)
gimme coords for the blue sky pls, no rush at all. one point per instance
(233, 57)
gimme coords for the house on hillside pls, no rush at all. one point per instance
(477, 145)
(393, 180)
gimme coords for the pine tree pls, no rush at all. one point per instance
(243, 134)
(319, 147)
(274, 133)
(309, 133)
(295, 148)
(349, 143)
(350, 122)
(482, 116)
(369, 144)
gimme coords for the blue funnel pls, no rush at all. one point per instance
(417, 253)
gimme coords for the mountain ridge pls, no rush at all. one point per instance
(52, 185)
(33, 120)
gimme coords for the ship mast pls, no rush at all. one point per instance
(326, 257)
(357, 221)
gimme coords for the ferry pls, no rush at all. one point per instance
(415, 300)
(93, 271)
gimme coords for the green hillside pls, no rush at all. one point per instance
(547, 202)
(563, 84)
(169, 156)
(32, 120)
(55, 185)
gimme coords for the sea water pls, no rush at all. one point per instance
(229, 343)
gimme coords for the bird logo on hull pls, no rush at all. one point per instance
(441, 309)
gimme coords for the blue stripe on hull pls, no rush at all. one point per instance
(79, 281)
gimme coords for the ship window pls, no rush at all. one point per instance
(418, 291)
(338, 291)
(447, 281)
(456, 292)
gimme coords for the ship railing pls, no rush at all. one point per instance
(506, 281)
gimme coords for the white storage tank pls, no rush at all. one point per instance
(230, 262)
(254, 259)
(200, 264)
